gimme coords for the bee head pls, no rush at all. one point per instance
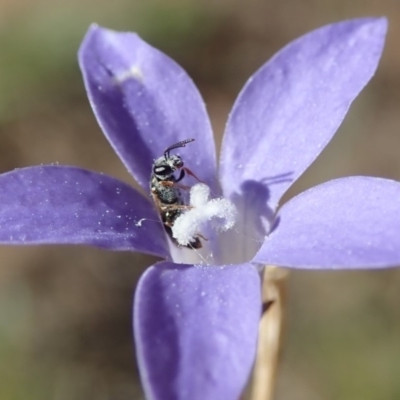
(165, 167)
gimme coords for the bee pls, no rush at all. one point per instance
(166, 189)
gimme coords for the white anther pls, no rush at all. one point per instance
(220, 213)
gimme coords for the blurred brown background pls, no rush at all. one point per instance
(65, 312)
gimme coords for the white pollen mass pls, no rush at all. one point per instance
(219, 213)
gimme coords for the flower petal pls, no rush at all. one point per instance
(144, 102)
(196, 330)
(345, 223)
(290, 109)
(67, 205)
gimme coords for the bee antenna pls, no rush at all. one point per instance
(182, 143)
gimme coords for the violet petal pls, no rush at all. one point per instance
(290, 109)
(67, 205)
(196, 330)
(145, 102)
(351, 222)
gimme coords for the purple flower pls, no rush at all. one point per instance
(196, 325)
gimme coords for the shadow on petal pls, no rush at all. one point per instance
(256, 218)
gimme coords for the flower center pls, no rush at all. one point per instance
(202, 214)
(226, 235)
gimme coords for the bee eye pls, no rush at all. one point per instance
(162, 170)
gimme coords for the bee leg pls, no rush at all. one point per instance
(201, 236)
(174, 184)
(196, 244)
(185, 171)
(181, 175)
(184, 187)
(189, 172)
(178, 207)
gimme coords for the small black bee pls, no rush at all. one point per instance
(165, 189)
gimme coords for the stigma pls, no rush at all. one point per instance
(219, 214)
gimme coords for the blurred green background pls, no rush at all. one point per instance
(65, 312)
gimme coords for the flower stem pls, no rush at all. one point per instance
(270, 334)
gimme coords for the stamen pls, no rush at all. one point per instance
(220, 213)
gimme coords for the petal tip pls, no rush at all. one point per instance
(377, 26)
(381, 23)
(91, 31)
